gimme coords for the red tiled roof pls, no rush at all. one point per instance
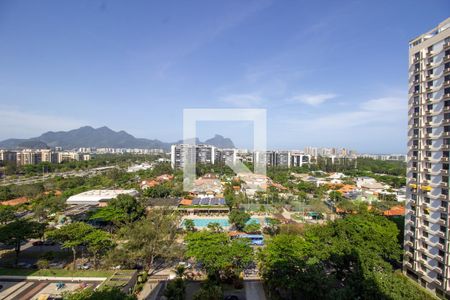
(398, 210)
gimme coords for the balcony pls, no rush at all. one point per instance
(446, 83)
(445, 147)
(443, 209)
(446, 46)
(447, 58)
(409, 243)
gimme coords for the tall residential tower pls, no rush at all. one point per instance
(426, 245)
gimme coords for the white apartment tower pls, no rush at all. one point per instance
(427, 224)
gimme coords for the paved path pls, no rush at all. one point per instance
(254, 290)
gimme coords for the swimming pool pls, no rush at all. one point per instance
(222, 222)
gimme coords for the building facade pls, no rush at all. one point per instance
(426, 240)
(187, 153)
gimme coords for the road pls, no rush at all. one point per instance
(254, 290)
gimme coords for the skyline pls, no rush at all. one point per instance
(169, 143)
(330, 75)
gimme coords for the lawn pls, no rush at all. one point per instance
(56, 272)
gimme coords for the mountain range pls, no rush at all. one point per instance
(102, 137)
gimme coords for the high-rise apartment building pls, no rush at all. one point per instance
(192, 154)
(427, 224)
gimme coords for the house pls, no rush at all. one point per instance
(398, 210)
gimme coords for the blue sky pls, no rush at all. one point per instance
(330, 73)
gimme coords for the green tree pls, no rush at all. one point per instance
(6, 213)
(272, 226)
(189, 225)
(252, 227)
(219, 255)
(110, 293)
(215, 227)
(175, 289)
(336, 196)
(152, 237)
(238, 218)
(158, 191)
(19, 231)
(124, 209)
(209, 291)
(345, 259)
(98, 243)
(72, 236)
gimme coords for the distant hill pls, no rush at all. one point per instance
(220, 141)
(102, 137)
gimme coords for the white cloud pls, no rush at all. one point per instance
(375, 125)
(384, 111)
(15, 123)
(313, 100)
(243, 100)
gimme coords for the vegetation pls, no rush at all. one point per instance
(19, 231)
(148, 239)
(79, 234)
(220, 257)
(124, 209)
(347, 259)
(110, 293)
(175, 289)
(238, 218)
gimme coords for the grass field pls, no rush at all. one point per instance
(56, 272)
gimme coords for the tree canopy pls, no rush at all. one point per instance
(238, 218)
(350, 258)
(219, 256)
(19, 231)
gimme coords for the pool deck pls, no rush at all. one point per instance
(261, 219)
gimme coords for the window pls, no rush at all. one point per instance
(430, 107)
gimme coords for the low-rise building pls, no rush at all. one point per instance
(96, 197)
